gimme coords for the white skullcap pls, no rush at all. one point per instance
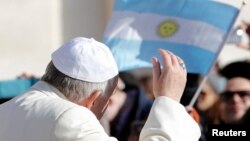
(85, 59)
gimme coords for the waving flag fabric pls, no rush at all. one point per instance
(195, 30)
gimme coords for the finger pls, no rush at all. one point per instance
(166, 59)
(174, 58)
(156, 69)
(179, 59)
(181, 63)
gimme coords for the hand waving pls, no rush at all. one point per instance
(169, 81)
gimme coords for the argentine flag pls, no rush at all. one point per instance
(195, 30)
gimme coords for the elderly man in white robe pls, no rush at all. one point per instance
(67, 103)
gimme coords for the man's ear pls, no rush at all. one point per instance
(89, 102)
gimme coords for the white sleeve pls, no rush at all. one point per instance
(79, 124)
(169, 121)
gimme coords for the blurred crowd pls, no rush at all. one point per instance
(224, 99)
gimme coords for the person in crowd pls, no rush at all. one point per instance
(235, 100)
(207, 104)
(74, 93)
(207, 107)
(127, 106)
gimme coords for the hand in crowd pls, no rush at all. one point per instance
(170, 80)
(193, 113)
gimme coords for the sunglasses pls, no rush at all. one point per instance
(227, 95)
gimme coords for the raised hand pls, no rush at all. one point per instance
(170, 80)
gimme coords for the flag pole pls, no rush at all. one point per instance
(204, 79)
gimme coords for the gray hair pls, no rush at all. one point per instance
(74, 89)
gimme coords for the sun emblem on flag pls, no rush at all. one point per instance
(167, 28)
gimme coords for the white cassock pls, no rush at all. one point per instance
(44, 114)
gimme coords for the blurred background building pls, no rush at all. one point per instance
(31, 29)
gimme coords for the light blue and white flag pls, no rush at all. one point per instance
(195, 30)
